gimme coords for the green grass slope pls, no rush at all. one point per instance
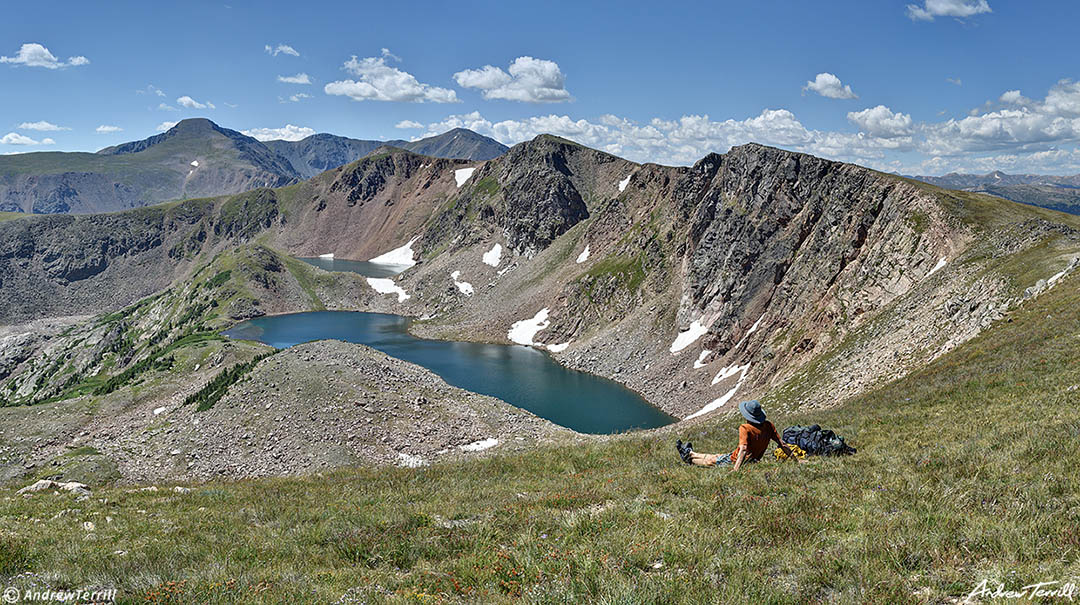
(965, 472)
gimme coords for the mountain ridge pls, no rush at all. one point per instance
(1061, 193)
(792, 275)
(195, 158)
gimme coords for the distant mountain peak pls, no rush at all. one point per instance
(190, 128)
(159, 168)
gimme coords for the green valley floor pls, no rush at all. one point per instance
(966, 471)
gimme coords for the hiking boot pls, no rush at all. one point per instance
(684, 451)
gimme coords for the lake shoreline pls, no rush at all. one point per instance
(624, 410)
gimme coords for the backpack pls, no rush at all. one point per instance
(817, 442)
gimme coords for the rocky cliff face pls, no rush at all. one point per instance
(759, 271)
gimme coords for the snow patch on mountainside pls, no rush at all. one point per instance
(559, 348)
(465, 287)
(494, 256)
(462, 174)
(723, 399)
(523, 332)
(700, 362)
(479, 446)
(685, 339)
(385, 285)
(399, 257)
(941, 263)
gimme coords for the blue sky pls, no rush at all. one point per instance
(918, 87)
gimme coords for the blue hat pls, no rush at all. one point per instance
(751, 410)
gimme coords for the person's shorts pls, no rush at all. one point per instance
(726, 460)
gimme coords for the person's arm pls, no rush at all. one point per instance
(740, 458)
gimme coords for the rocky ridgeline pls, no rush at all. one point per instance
(784, 273)
(759, 272)
(195, 158)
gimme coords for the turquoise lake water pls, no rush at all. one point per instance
(362, 267)
(519, 375)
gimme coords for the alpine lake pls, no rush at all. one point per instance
(519, 375)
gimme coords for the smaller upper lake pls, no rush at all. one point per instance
(363, 267)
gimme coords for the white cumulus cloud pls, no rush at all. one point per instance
(41, 126)
(1013, 133)
(33, 54)
(828, 85)
(408, 124)
(162, 127)
(186, 101)
(296, 98)
(300, 78)
(1021, 124)
(285, 133)
(280, 49)
(14, 138)
(947, 8)
(529, 79)
(108, 129)
(377, 81)
(882, 122)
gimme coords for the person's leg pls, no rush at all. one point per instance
(702, 459)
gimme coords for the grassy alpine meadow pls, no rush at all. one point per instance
(966, 471)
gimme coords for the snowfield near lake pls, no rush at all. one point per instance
(584, 256)
(700, 362)
(726, 397)
(522, 332)
(462, 174)
(330, 255)
(465, 287)
(385, 285)
(559, 348)
(479, 446)
(941, 263)
(623, 183)
(728, 372)
(494, 256)
(685, 339)
(399, 257)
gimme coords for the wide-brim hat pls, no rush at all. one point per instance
(751, 410)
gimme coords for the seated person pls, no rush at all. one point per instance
(754, 437)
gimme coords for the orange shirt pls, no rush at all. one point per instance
(756, 439)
